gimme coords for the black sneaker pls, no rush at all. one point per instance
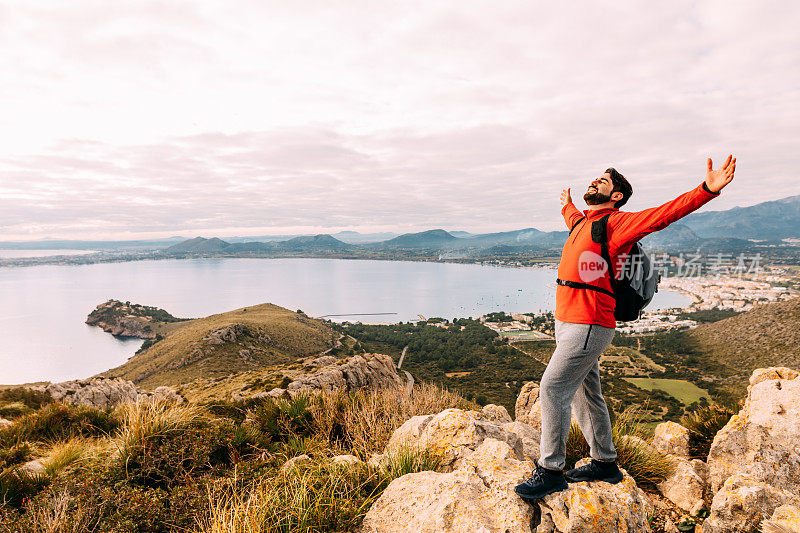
(541, 483)
(595, 471)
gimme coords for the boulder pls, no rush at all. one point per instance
(685, 487)
(498, 413)
(596, 507)
(524, 408)
(452, 434)
(477, 497)
(672, 438)
(162, 394)
(762, 439)
(528, 408)
(530, 436)
(294, 462)
(275, 393)
(743, 503)
(785, 519)
(345, 460)
(367, 370)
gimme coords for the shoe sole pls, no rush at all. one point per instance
(542, 495)
(612, 480)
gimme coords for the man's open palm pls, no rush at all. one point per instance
(717, 179)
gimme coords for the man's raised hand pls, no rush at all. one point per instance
(565, 197)
(717, 179)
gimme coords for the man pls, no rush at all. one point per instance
(585, 323)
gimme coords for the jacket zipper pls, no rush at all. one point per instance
(586, 342)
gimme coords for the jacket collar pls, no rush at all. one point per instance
(593, 213)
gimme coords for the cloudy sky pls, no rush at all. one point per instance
(148, 119)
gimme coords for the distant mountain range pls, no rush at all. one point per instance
(774, 220)
(732, 230)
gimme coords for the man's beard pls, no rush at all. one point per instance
(596, 198)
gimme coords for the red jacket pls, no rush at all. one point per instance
(584, 306)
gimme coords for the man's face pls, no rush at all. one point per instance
(599, 191)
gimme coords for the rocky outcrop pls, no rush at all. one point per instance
(763, 439)
(128, 320)
(473, 489)
(477, 497)
(104, 393)
(754, 462)
(530, 437)
(367, 370)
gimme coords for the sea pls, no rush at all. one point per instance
(43, 308)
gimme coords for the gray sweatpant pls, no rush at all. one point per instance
(573, 377)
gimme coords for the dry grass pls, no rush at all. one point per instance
(316, 496)
(363, 421)
(146, 419)
(57, 514)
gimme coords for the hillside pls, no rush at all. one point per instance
(768, 335)
(226, 343)
(435, 238)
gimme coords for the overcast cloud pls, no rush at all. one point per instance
(147, 119)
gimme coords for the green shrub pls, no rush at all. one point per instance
(703, 425)
(319, 496)
(281, 419)
(14, 410)
(28, 397)
(59, 421)
(17, 485)
(14, 455)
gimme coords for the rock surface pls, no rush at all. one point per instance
(453, 434)
(762, 439)
(786, 518)
(294, 462)
(526, 409)
(367, 370)
(743, 503)
(596, 507)
(530, 436)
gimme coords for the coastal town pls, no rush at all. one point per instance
(705, 292)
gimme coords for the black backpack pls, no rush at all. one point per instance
(637, 285)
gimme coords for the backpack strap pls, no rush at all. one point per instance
(580, 285)
(600, 236)
(576, 224)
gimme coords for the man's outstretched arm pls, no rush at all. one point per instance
(627, 228)
(568, 209)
